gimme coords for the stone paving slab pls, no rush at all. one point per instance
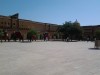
(49, 58)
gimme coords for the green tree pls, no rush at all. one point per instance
(1, 34)
(71, 30)
(78, 31)
(30, 33)
(66, 28)
(97, 34)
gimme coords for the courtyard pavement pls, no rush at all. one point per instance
(49, 58)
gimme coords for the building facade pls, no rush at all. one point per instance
(11, 24)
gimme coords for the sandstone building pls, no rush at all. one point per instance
(13, 23)
(10, 24)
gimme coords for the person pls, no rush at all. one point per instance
(67, 39)
(41, 37)
(44, 37)
(33, 37)
(87, 39)
(7, 37)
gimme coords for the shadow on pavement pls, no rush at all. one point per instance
(94, 48)
(25, 42)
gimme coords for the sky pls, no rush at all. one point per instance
(87, 12)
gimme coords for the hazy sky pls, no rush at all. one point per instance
(87, 12)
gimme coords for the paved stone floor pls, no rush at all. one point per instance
(49, 58)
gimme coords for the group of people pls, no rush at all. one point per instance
(18, 36)
(14, 36)
(43, 36)
(5, 37)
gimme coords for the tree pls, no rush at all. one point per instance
(78, 31)
(65, 29)
(1, 34)
(97, 34)
(71, 30)
(31, 33)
